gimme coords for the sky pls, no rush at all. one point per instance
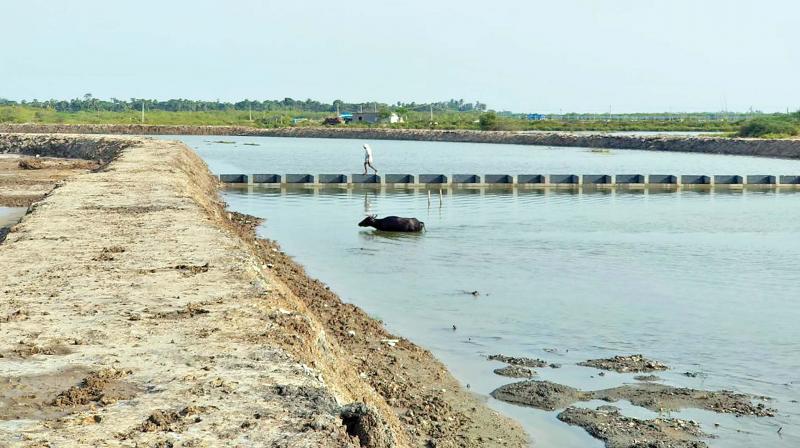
(520, 55)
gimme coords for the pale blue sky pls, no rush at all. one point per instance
(527, 56)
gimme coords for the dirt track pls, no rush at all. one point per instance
(133, 310)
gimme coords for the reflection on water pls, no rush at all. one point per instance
(705, 281)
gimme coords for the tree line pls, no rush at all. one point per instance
(91, 104)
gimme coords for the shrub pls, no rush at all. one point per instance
(488, 121)
(760, 127)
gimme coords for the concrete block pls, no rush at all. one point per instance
(662, 179)
(234, 178)
(762, 179)
(433, 179)
(565, 179)
(695, 179)
(630, 179)
(499, 179)
(598, 179)
(300, 179)
(332, 178)
(790, 180)
(725, 179)
(466, 179)
(400, 178)
(266, 178)
(366, 179)
(531, 179)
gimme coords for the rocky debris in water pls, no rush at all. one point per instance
(539, 394)
(659, 397)
(617, 431)
(622, 364)
(514, 372)
(647, 378)
(521, 361)
(656, 397)
(366, 423)
(101, 387)
(694, 374)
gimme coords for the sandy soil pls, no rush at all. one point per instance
(25, 180)
(135, 312)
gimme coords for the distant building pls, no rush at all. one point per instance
(366, 117)
(370, 117)
(537, 117)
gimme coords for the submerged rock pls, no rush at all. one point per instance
(623, 364)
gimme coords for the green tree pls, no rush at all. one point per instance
(488, 121)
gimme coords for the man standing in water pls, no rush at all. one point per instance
(368, 159)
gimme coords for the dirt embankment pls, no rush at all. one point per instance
(136, 311)
(789, 148)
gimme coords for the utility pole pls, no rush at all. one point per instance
(431, 113)
(250, 108)
(142, 111)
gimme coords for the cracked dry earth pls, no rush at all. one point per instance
(133, 313)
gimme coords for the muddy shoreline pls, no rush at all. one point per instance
(139, 310)
(789, 148)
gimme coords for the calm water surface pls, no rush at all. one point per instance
(705, 282)
(10, 215)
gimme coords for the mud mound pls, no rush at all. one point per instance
(659, 397)
(521, 361)
(539, 394)
(169, 420)
(656, 397)
(623, 364)
(31, 164)
(514, 372)
(102, 387)
(617, 431)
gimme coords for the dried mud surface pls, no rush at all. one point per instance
(25, 180)
(137, 312)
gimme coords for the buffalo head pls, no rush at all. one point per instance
(368, 221)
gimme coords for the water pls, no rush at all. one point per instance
(10, 215)
(705, 282)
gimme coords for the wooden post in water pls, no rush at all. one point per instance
(429, 198)
(440, 198)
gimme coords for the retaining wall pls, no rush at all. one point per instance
(510, 180)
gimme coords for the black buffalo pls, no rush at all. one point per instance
(393, 224)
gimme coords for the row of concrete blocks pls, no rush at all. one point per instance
(507, 179)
